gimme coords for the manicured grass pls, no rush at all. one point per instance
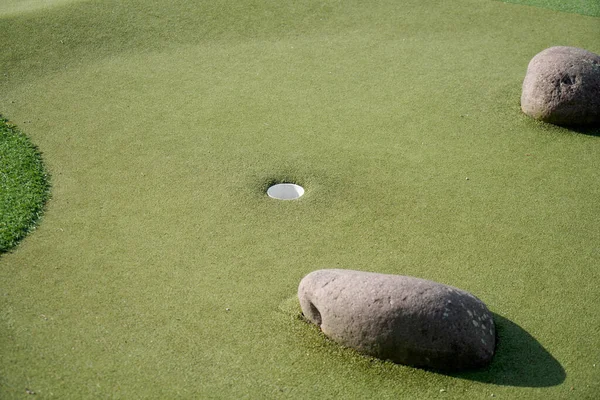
(23, 185)
(12, 7)
(162, 269)
(584, 7)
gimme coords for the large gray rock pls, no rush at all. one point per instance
(407, 320)
(562, 86)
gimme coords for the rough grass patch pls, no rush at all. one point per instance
(24, 185)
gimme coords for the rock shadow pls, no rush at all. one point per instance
(586, 130)
(520, 360)
(589, 130)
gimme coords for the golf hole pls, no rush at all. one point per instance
(285, 191)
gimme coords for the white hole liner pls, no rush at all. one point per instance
(285, 191)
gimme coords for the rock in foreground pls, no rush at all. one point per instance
(407, 320)
(562, 87)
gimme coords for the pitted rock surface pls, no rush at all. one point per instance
(562, 87)
(407, 320)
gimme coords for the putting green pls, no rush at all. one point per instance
(13, 7)
(162, 269)
(585, 7)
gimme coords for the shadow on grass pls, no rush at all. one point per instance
(589, 130)
(520, 360)
(586, 130)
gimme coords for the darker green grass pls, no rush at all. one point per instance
(24, 185)
(583, 7)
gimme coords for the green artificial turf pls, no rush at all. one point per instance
(584, 7)
(162, 269)
(23, 185)
(14, 7)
